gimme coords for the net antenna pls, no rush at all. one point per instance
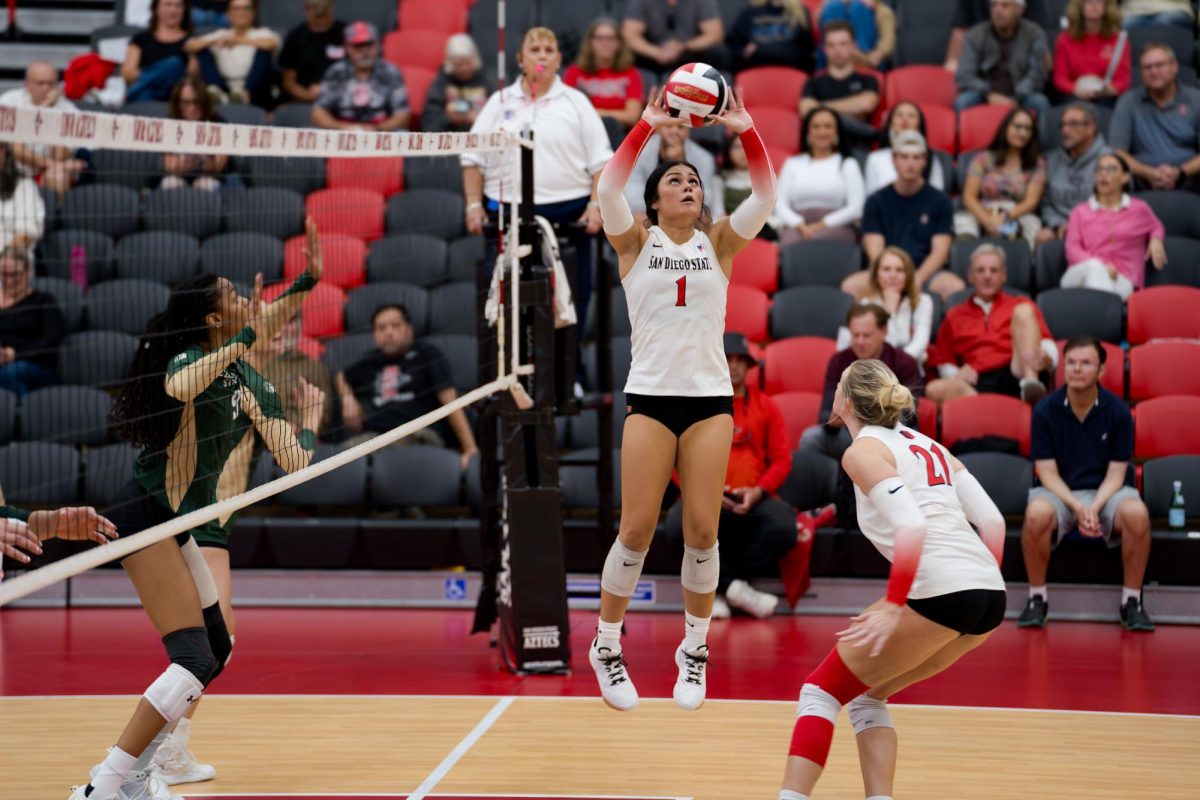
(88, 130)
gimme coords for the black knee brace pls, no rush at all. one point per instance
(189, 648)
(219, 640)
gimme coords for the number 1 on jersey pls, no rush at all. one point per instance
(931, 468)
(681, 292)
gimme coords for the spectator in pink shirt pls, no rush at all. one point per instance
(1110, 237)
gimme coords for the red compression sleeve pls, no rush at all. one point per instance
(762, 174)
(906, 554)
(619, 168)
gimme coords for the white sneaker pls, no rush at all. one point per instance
(691, 683)
(744, 596)
(174, 763)
(611, 672)
(720, 608)
(137, 786)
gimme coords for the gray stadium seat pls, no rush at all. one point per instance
(345, 350)
(1083, 312)
(462, 353)
(66, 414)
(452, 309)
(922, 30)
(39, 472)
(1158, 474)
(408, 258)
(106, 470)
(1006, 477)
(56, 248)
(619, 313)
(1179, 211)
(301, 175)
(344, 486)
(578, 481)
(240, 256)
(103, 207)
(195, 212)
(433, 212)
(520, 15)
(415, 475)
(812, 481)
(465, 258)
(821, 262)
(8, 415)
(1016, 254)
(809, 311)
(157, 109)
(1051, 264)
(434, 172)
(584, 432)
(362, 302)
(69, 298)
(282, 17)
(125, 305)
(622, 357)
(167, 257)
(242, 114)
(275, 211)
(50, 203)
(293, 115)
(1183, 264)
(570, 21)
(96, 358)
(381, 15)
(133, 169)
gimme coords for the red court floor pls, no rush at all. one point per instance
(1075, 666)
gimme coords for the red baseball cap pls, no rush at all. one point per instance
(361, 33)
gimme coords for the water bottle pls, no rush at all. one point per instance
(1177, 513)
(79, 267)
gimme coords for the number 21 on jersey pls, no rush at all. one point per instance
(937, 469)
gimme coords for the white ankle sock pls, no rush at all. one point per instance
(695, 631)
(880, 797)
(143, 762)
(788, 794)
(1127, 593)
(608, 634)
(182, 733)
(1039, 591)
(113, 771)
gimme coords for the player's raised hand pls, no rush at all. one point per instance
(736, 117)
(312, 249)
(17, 541)
(74, 524)
(656, 112)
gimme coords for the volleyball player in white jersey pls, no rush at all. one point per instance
(679, 412)
(945, 594)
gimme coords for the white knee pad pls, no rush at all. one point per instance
(701, 568)
(816, 702)
(622, 569)
(201, 574)
(867, 712)
(173, 692)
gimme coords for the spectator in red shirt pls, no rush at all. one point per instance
(1091, 59)
(605, 72)
(757, 528)
(992, 342)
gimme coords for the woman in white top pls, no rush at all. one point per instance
(891, 284)
(880, 170)
(22, 211)
(237, 60)
(679, 399)
(821, 190)
(945, 594)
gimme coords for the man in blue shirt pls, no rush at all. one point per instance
(1082, 443)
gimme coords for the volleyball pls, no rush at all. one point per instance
(695, 92)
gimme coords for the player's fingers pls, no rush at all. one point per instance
(14, 553)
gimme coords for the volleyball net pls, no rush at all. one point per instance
(163, 209)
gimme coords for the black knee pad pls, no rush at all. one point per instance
(219, 640)
(189, 648)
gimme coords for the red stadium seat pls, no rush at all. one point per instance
(417, 80)
(771, 87)
(940, 124)
(1164, 312)
(746, 312)
(311, 348)
(357, 212)
(977, 125)
(779, 128)
(1163, 426)
(448, 16)
(382, 174)
(923, 84)
(927, 417)
(1113, 378)
(986, 415)
(800, 410)
(778, 155)
(797, 364)
(345, 259)
(416, 48)
(757, 266)
(321, 310)
(1158, 369)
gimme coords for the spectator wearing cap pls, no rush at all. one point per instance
(912, 215)
(236, 61)
(56, 168)
(757, 528)
(1070, 169)
(309, 50)
(1156, 128)
(1003, 61)
(362, 92)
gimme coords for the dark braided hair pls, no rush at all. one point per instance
(142, 409)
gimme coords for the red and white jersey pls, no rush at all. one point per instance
(953, 558)
(676, 295)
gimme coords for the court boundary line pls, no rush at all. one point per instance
(582, 698)
(461, 749)
(505, 796)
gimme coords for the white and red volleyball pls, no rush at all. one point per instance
(696, 92)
